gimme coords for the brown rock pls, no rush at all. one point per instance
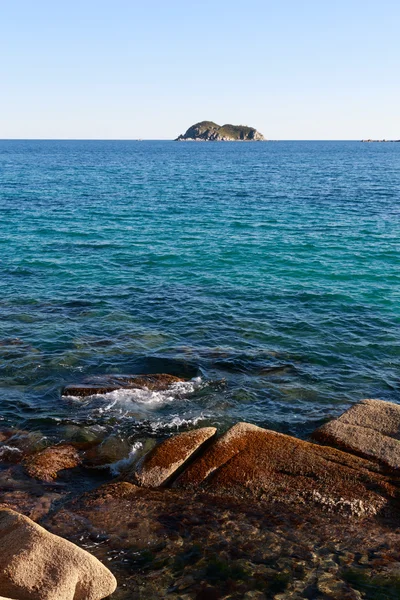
(38, 565)
(109, 383)
(258, 463)
(166, 459)
(45, 465)
(370, 428)
(32, 498)
(151, 538)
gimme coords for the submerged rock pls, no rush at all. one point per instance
(110, 451)
(46, 465)
(39, 565)
(163, 462)
(248, 461)
(370, 428)
(173, 542)
(104, 384)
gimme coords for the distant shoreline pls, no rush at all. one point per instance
(380, 141)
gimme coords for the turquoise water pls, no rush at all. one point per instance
(267, 272)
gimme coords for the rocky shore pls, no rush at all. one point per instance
(246, 513)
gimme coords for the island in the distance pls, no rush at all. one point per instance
(207, 131)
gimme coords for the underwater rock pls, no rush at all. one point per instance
(39, 565)
(103, 384)
(248, 461)
(157, 467)
(370, 428)
(110, 451)
(45, 465)
(29, 497)
(26, 442)
(158, 541)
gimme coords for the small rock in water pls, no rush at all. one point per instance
(111, 450)
(110, 383)
(27, 442)
(39, 565)
(46, 465)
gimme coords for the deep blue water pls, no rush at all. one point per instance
(268, 270)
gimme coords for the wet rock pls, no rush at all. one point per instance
(111, 450)
(27, 442)
(249, 461)
(153, 539)
(10, 454)
(334, 589)
(46, 465)
(157, 467)
(109, 383)
(38, 565)
(370, 428)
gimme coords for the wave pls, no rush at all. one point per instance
(126, 397)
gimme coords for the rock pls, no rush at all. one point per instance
(111, 450)
(45, 465)
(370, 428)
(151, 538)
(333, 589)
(109, 383)
(32, 498)
(248, 461)
(209, 131)
(27, 442)
(157, 467)
(38, 565)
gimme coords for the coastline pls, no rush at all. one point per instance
(278, 517)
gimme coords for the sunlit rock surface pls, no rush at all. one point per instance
(166, 459)
(45, 465)
(370, 428)
(37, 565)
(249, 461)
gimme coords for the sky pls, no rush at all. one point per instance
(128, 69)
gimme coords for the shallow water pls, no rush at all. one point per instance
(268, 273)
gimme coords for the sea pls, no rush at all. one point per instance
(266, 274)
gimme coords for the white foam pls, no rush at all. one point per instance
(176, 422)
(9, 450)
(175, 391)
(117, 467)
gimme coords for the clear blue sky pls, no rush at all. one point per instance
(126, 69)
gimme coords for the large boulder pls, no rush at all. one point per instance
(38, 565)
(103, 384)
(46, 465)
(163, 462)
(248, 461)
(370, 428)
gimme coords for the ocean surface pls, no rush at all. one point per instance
(268, 274)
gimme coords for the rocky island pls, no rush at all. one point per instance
(208, 131)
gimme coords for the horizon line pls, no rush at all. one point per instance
(62, 139)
